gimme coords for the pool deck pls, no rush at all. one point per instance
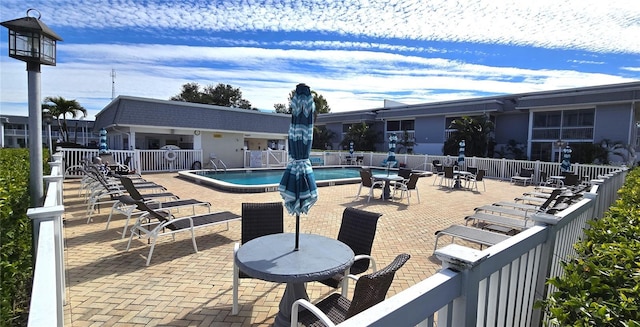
(107, 286)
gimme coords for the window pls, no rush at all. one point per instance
(563, 124)
(393, 125)
(400, 125)
(547, 119)
(578, 118)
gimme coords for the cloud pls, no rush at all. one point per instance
(355, 54)
(592, 25)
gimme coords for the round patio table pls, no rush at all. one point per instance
(272, 258)
(386, 193)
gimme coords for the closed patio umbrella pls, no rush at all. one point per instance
(298, 185)
(566, 159)
(103, 141)
(461, 152)
(351, 148)
(460, 162)
(391, 158)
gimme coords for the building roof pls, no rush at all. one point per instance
(137, 112)
(583, 96)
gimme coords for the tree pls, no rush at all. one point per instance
(222, 95)
(613, 149)
(282, 108)
(363, 136)
(60, 107)
(477, 133)
(406, 143)
(322, 137)
(322, 107)
(513, 150)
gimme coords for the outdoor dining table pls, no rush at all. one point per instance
(387, 178)
(272, 258)
(458, 174)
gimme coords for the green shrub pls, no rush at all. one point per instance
(601, 286)
(15, 237)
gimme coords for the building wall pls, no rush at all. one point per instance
(226, 147)
(613, 122)
(429, 134)
(512, 127)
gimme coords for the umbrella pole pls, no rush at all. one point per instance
(297, 232)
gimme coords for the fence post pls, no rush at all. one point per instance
(464, 260)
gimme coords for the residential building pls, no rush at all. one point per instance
(542, 122)
(223, 132)
(14, 132)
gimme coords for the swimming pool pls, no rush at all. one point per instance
(267, 179)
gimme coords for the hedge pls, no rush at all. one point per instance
(16, 241)
(601, 286)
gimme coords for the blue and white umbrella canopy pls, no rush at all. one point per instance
(298, 185)
(103, 141)
(461, 152)
(566, 159)
(393, 139)
(351, 148)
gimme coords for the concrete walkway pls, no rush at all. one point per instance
(107, 286)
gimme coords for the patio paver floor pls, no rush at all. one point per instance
(107, 286)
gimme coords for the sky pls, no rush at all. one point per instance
(355, 53)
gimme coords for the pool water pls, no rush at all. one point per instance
(267, 180)
(259, 177)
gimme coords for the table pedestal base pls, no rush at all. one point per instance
(292, 292)
(457, 183)
(386, 191)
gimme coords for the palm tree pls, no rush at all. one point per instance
(60, 107)
(363, 136)
(477, 133)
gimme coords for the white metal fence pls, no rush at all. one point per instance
(47, 294)
(496, 168)
(147, 161)
(497, 286)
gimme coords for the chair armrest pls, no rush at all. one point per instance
(354, 277)
(364, 256)
(312, 308)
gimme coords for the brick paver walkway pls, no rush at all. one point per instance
(107, 286)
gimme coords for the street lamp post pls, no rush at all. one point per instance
(560, 144)
(33, 42)
(83, 129)
(48, 118)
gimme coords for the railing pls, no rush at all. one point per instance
(497, 286)
(502, 169)
(46, 308)
(265, 158)
(143, 161)
(163, 161)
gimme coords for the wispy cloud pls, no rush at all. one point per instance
(593, 25)
(354, 53)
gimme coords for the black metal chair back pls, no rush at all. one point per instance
(372, 289)
(404, 173)
(365, 176)
(260, 219)
(357, 230)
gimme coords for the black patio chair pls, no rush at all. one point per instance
(357, 230)
(370, 290)
(368, 182)
(407, 186)
(258, 219)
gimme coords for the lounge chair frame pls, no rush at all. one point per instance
(167, 224)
